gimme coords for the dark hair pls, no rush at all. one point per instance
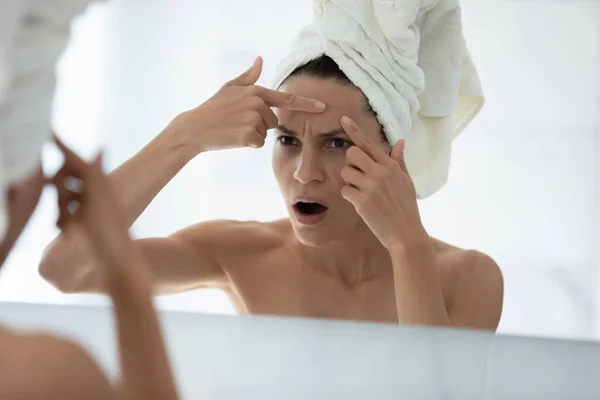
(324, 67)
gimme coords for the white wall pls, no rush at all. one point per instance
(525, 175)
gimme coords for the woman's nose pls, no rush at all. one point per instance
(308, 168)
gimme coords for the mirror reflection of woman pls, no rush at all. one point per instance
(364, 112)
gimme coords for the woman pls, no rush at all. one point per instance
(353, 246)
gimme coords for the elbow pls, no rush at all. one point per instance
(56, 274)
(66, 263)
(48, 271)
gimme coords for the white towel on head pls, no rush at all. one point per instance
(33, 35)
(410, 60)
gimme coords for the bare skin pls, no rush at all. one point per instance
(92, 208)
(43, 366)
(23, 198)
(368, 259)
(39, 365)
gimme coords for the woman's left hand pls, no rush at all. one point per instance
(381, 190)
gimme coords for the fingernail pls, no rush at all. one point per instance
(73, 184)
(72, 207)
(319, 105)
(99, 159)
(347, 120)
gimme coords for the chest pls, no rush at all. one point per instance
(301, 291)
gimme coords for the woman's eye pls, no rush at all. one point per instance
(339, 143)
(287, 140)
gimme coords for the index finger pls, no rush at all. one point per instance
(363, 142)
(289, 101)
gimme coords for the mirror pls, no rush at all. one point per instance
(322, 359)
(523, 179)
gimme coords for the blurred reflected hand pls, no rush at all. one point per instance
(86, 202)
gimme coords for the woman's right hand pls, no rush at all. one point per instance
(239, 114)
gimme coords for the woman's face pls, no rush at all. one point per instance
(309, 153)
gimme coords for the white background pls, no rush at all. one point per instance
(525, 178)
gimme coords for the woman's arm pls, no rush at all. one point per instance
(419, 298)
(68, 260)
(477, 293)
(380, 188)
(238, 115)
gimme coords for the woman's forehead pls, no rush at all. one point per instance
(340, 99)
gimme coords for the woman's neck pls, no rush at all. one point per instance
(355, 259)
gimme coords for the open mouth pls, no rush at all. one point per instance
(309, 208)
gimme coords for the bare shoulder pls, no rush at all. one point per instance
(228, 239)
(457, 264)
(473, 286)
(55, 368)
(229, 233)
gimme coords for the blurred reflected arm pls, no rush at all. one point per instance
(145, 369)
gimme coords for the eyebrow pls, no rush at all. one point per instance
(327, 135)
